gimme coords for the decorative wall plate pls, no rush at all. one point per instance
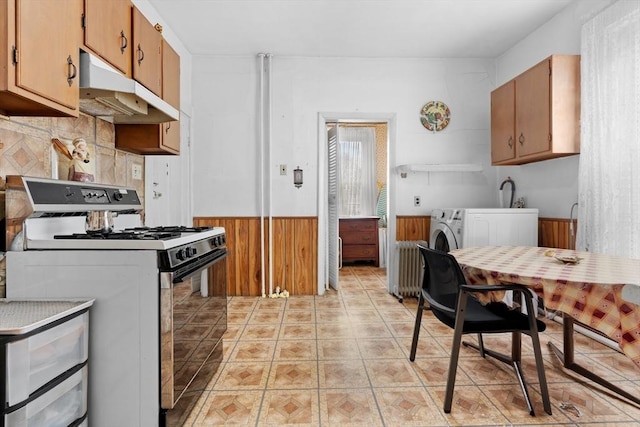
(435, 115)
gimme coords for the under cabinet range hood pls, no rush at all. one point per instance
(105, 92)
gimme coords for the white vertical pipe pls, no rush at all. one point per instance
(269, 56)
(261, 179)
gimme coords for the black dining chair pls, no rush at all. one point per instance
(452, 302)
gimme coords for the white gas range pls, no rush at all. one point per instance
(160, 294)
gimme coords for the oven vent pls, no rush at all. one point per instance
(409, 268)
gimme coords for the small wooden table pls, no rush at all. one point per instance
(589, 292)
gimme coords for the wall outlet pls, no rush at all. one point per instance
(136, 171)
(416, 200)
(283, 169)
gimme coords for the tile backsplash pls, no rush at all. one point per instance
(26, 149)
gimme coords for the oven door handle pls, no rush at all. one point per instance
(182, 273)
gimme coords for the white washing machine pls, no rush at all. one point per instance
(446, 229)
(462, 228)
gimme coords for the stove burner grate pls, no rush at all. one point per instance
(169, 229)
(122, 235)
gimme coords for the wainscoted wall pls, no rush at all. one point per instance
(413, 227)
(552, 232)
(295, 254)
(555, 233)
(295, 249)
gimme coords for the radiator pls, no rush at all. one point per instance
(409, 267)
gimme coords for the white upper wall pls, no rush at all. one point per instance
(226, 154)
(224, 111)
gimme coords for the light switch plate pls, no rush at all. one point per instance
(136, 171)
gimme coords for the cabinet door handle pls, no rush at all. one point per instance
(140, 54)
(521, 139)
(73, 71)
(166, 129)
(125, 42)
(510, 142)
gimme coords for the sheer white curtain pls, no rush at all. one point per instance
(609, 177)
(358, 188)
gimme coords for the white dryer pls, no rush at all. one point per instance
(462, 228)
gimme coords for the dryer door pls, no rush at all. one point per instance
(443, 238)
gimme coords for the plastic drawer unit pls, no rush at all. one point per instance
(44, 352)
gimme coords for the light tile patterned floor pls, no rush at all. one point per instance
(342, 360)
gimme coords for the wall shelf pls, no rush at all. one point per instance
(438, 167)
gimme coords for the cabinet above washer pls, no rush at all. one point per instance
(536, 116)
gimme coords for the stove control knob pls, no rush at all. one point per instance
(189, 252)
(180, 254)
(117, 196)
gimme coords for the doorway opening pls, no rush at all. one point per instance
(382, 182)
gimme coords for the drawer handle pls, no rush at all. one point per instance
(521, 139)
(510, 142)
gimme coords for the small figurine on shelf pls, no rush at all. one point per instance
(81, 168)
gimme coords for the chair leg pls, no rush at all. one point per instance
(523, 385)
(542, 378)
(516, 359)
(535, 341)
(416, 328)
(515, 362)
(455, 351)
(479, 347)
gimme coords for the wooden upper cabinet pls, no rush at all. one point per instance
(147, 53)
(540, 111)
(170, 93)
(107, 31)
(164, 138)
(503, 119)
(533, 110)
(170, 143)
(39, 57)
(149, 139)
(170, 75)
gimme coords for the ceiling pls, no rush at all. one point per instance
(355, 28)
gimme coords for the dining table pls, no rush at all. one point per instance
(599, 291)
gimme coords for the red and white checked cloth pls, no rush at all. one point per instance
(589, 291)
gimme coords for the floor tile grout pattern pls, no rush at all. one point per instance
(341, 359)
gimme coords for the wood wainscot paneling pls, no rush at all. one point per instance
(555, 233)
(552, 232)
(413, 227)
(295, 253)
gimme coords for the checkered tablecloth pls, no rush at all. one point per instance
(589, 291)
